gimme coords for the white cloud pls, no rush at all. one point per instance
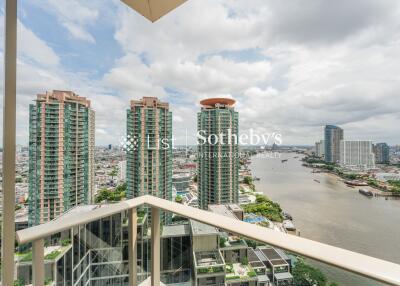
(78, 32)
(74, 15)
(315, 65)
(34, 48)
(322, 63)
(31, 47)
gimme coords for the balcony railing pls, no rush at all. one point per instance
(367, 266)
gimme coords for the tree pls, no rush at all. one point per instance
(351, 176)
(113, 173)
(178, 199)
(248, 180)
(266, 208)
(115, 195)
(245, 260)
(306, 275)
(18, 282)
(261, 199)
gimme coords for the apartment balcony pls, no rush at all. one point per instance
(136, 259)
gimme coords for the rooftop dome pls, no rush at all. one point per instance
(217, 101)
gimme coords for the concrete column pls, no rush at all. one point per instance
(38, 262)
(132, 246)
(155, 246)
(9, 118)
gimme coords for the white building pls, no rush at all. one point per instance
(320, 149)
(384, 177)
(357, 154)
(122, 171)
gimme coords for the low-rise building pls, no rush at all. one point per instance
(277, 267)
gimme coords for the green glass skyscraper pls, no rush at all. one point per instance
(61, 154)
(149, 149)
(218, 152)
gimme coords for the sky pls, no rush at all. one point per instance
(291, 67)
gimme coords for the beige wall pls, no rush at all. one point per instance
(205, 243)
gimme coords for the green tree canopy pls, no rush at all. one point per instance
(306, 275)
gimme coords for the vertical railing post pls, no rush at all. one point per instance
(9, 119)
(155, 246)
(132, 247)
(38, 262)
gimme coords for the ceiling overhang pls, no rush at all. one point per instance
(153, 9)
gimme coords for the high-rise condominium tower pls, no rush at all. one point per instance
(149, 155)
(382, 153)
(218, 152)
(333, 135)
(61, 154)
(357, 154)
(320, 149)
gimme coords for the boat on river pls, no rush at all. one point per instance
(287, 216)
(365, 192)
(356, 183)
(289, 225)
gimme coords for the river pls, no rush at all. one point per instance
(331, 212)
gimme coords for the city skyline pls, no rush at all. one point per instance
(252, 86)
(283, 80)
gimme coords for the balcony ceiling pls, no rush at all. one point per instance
(153, 9)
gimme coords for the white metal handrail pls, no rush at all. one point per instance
(376, 269)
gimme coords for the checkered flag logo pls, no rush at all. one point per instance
(129, 143)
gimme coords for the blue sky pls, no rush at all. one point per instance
(76, 54)
(292, 68)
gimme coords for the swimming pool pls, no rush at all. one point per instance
(254, 219)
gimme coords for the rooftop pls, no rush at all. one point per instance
(283, 276)
(237, 271)
(222, 210)
(270, 254)
(176, 230)
(253, 259)
(232, 241)
(217, 102)
(79, 210)
(208, 258)
(199, 228)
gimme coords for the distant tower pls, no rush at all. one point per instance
(333, 136)
(218, 162)
(382, 155)
(320, 149)
(61, 154)
(149, 158)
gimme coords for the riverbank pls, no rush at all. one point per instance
(353, 179)
(331, 212)
(276, 219)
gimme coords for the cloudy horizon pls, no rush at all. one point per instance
(292, 68)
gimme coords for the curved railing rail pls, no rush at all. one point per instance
(376, 269)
